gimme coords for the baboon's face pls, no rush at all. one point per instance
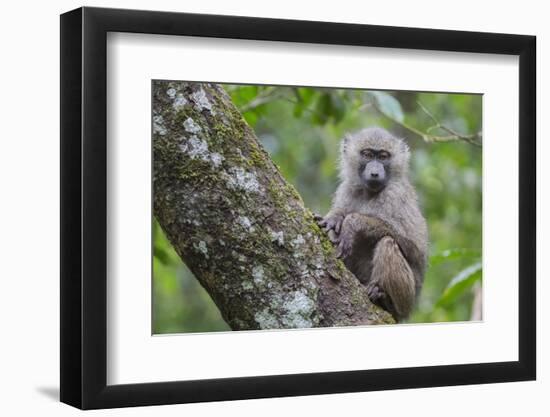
(373, 157)
(374, 169)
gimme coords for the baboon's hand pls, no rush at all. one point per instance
(333, 237)
(344, 241)
(379, 297)
(344, 246)
(375, 293)
(331, 222)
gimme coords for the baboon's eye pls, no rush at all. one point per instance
(383, 155)
(367, 153)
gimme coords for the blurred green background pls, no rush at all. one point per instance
(301, 129)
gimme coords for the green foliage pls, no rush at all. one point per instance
(453, 255)
(388, 105)
(459, 284)
(301, 129)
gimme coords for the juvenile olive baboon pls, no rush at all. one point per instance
(375, 221)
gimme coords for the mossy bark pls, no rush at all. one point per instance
(238, 225)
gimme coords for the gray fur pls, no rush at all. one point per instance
(382, 236)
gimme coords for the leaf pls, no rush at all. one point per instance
(460, 283)
(161, 254)
(453, 255)
(248, 93)
(298, 110)
(306, 95)
(323, 109)
(338, 108)
(251, 118)
(388, 105)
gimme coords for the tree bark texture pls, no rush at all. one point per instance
(238, 225)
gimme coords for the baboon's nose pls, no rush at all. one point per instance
(374, 174)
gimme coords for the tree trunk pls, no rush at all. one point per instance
(238, 225)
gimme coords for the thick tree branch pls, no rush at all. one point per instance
(238, 225)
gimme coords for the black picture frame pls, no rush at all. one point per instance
(84, 207)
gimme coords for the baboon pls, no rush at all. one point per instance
(375, 221)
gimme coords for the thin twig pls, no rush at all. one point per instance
(265, 96)
(473, 139)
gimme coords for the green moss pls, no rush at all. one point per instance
(326, 245)
(256, 157)
(183, 114)
(357, 299)
(291, 191)
(341, 267)
(224, 135)
(382, 317)
(276, 194)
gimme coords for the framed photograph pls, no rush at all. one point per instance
(257, 208)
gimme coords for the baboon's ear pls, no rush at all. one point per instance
(345, 142)
(405, 145)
